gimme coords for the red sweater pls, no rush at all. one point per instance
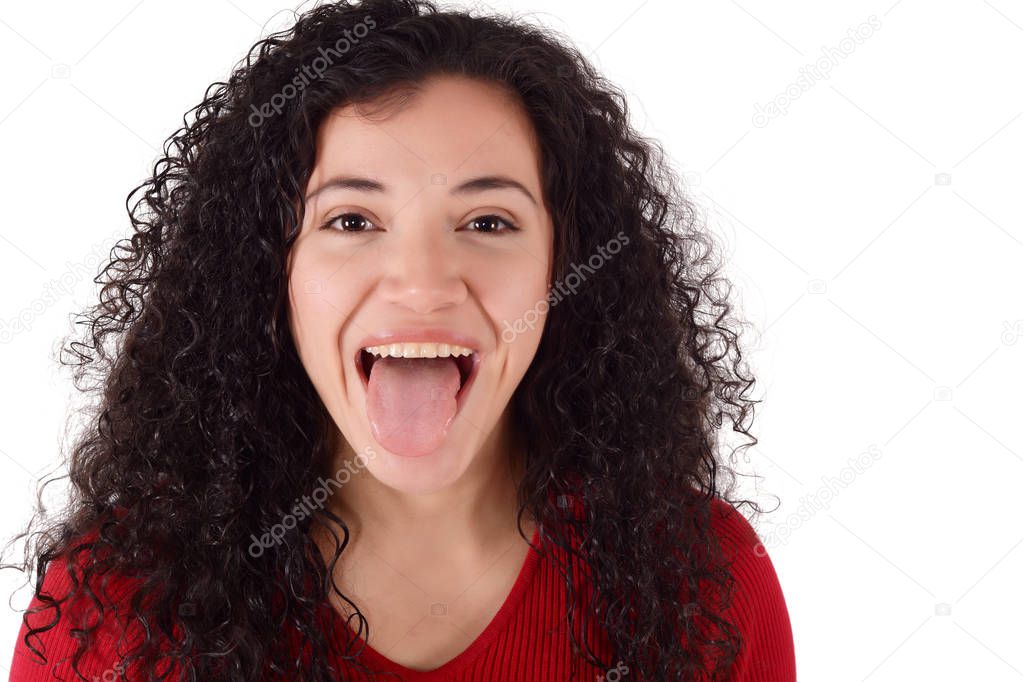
(526, 640)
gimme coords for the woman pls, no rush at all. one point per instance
(411, 370)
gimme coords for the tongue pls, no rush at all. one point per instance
(411, 402)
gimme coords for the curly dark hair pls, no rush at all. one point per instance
(205, 426)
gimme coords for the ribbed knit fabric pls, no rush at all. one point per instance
(526, 641)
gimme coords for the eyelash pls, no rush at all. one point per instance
(509, 225)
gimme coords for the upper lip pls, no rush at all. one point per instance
(420, 335)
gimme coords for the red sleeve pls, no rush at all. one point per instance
(57, 643)
(102, 661)
(758, 603)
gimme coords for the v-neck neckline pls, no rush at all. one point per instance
(377, 661)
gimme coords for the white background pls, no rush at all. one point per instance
(873, 232)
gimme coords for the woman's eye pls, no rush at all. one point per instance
(488, 224)
(348, 222)
(356, 222)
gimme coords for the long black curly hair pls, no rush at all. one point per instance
(205, 427)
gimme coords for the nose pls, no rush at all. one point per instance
(421, 272)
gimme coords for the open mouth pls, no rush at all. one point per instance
(414, 391)
(467, 367)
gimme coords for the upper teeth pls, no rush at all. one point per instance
(418, 350)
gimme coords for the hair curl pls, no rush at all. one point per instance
(206, 426)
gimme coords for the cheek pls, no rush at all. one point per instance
(513, 293)
(318, 301)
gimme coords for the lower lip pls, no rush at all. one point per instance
(460, 398)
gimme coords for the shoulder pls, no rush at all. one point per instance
(64, 604)
(758, 603)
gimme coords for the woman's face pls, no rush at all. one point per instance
(408, 236)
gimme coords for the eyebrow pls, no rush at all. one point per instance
(479, 184)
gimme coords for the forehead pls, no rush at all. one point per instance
(448, 124)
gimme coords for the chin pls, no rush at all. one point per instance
(421, 475)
